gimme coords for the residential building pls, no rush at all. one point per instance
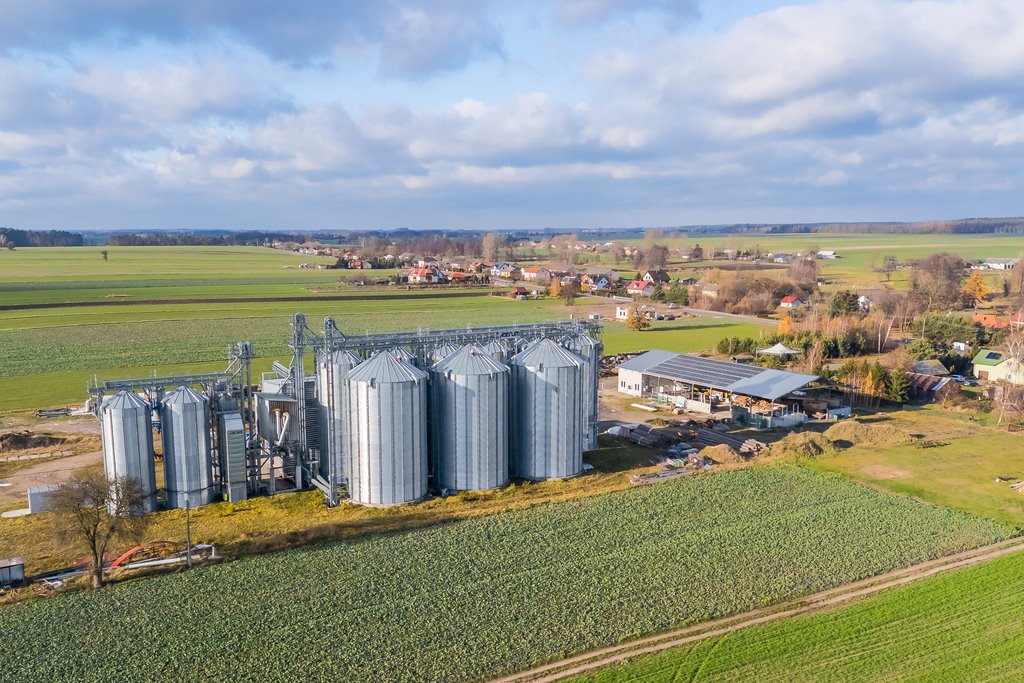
(995, 366)
(791, 303)
(640, 288)
(658, 277)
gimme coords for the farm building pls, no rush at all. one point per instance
(704, 385)
(791, 302)
(932, 367)
(999, 263)
(828, 254)
(930, 387)
(994, 366)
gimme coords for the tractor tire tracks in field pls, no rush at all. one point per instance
(614, 654)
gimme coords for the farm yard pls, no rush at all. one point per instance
(407, 606)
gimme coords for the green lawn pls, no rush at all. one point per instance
(683, 336)
(967, 625)
(472, 599)
(960, 475)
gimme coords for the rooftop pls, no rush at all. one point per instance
(739, 378)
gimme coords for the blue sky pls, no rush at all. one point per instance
(460, 114)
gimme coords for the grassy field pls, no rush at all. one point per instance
(860, 254)
(551, 580)
(51, 353)
(967, 625)
(960, 475)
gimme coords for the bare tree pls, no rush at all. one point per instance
(569, 292)
(104, 254)
(93, 512)
(491, 245)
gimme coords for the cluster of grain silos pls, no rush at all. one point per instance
(185, 428)
(470, 418)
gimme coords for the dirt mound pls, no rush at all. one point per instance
(722, 453)
(852, 433)
(23, 441)
(14, 444)
(803, 445)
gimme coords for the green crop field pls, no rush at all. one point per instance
(967, 625)
(860, 254)
(51, 353)
(475, 598)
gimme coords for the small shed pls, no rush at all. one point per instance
(12, 571)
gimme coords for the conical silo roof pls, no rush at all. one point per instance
(384, 367)
(496, 346)
(124, 400)
(470, 360)
(443, 351)
(546, 353)
(402, 353)
(345, 357)
(183, 396)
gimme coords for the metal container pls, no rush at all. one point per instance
(128, 444)
(497, 350)
(12, 572)
(41, 498)
(277, 418)
(589, 349)
(231, 451)
(548, 414)
(469, 421)
(188, 462)
(442, 351)
(403, 354)
(332, 398)
(387, 432)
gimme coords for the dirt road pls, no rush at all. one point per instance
(608, 656)
(43, 473)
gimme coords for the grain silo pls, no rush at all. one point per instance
(332, 373)
(548, 414)
(128, 444)
(188, 465)
(403, 354)
(442, 351)
(590, 349)
(497, 349)
(387, 431)
(469, 415)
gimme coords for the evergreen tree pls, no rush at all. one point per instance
(899, 385)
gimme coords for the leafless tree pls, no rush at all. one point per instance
(93, 512)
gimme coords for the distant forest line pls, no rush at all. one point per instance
(63, 238)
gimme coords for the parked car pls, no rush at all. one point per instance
(958, 378)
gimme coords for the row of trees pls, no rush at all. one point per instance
(11, 238)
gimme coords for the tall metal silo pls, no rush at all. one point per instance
(403, 354)
(442, 351)
(387, 431)
(332, 374)
(128, 444)
(188, 463)
(548, 413)
(590, 350)
(469, 415)
(497, 349)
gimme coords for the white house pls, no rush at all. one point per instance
(622, 312)
(994, 366)
(828, 253)
(791, 302)
(640, 288)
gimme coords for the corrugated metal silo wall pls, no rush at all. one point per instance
(590, 349)
(188, 465)
(128, 445)
(388, 434)
(469, 422)
(547, 422)
(334, 381)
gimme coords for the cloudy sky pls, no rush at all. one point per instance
(468, 113)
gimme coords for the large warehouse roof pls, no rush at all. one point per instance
(738, 378)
